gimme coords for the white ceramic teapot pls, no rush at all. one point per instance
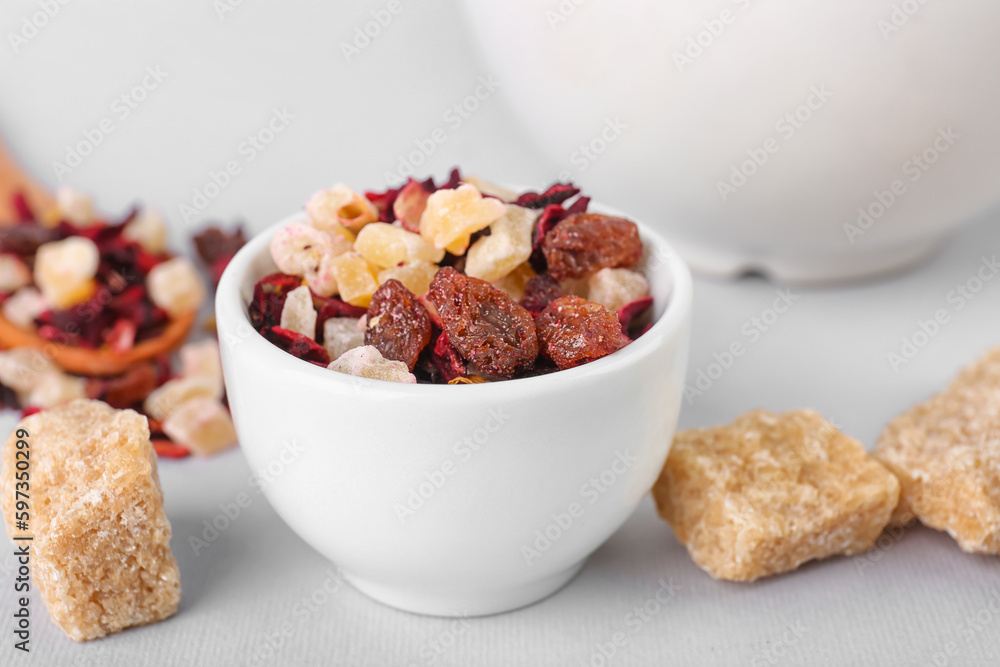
(813, 141)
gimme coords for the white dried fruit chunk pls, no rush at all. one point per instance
(368, 362)
(491, 189)
(65, 270)
(173, 393)
(323, 281)
(341, 334)
(452, 216)
(415, 277)
(202, 424)
(22, 368)
(74, 207)
(24, 306)
(513, 283)
(298, 248)
(149, 230)
(175, 286)
(298, 314)
(340, 210)
(14, 273)
(202, 360)
(55, 388)
(613, 288)
(355, 279)
(507, 247)
(386, 246)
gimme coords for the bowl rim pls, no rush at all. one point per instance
(231, 313)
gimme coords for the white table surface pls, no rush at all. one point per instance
(917, 601)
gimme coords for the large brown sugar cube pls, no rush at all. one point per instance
(946, 453)
(100, 555)
(770, 492)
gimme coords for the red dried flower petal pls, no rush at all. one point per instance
(167, 449)
(383, 202)
(447, 359)
(555, 194)
(269, 298)
(121, 337)
(549, 218)
(30, 410)
(454, 180)
(579, 206)
(327, 307)
(539, 292)
(297, 345)
(23, 240)
(19, 202)
(632, 310)
(410, 204)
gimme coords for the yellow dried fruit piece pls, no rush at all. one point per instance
(173, 393)
(452, 216)
(770, 492)
(386, 246)
(74, 206)
(14, 273)
(946, 454)
(175, 286)
(149, 230)
(65, 270)
(507, 247)
(613, 288)
(513, 283)
(101, 551)
(203, 424)
(202, 360)
(340, 210)
(355, 278)
(415, 277)
(298, 314)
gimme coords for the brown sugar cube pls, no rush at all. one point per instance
(946, 454)
(100, 555)
(770, 492)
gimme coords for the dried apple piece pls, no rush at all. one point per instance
(385, 246)
(508, 245)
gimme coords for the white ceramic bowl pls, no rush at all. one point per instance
(655, 103)
(505, 488)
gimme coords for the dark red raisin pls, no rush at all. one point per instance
(487, 327)
(398, 324)
(573, 331)
(584, 243)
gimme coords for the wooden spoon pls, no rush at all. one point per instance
(78, 360)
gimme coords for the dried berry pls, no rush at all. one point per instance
(573, 331)
(487, 327)
(269, 297)
(556, 194)
(398, 324)
(540, 292)
(584, 243)
(297, 345)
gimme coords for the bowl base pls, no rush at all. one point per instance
(827, 267)
(466, 602)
